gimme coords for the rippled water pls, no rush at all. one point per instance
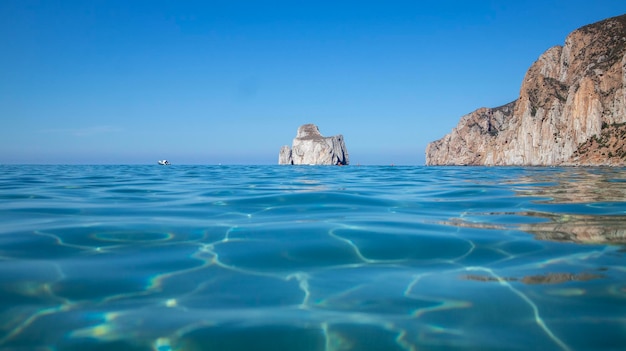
(312, 258)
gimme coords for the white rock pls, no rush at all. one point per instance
(311, 148)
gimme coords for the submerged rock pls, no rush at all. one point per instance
(311, 148)
(571, 109)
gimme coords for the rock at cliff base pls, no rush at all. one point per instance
(311, 148)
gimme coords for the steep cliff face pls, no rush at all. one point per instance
(570, 95)
(311, 148)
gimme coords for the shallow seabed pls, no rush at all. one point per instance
(312, 258)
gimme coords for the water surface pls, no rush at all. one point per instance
(312, 258)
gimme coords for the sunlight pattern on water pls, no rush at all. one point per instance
(311, 258)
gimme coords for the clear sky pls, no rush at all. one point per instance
(207, 82)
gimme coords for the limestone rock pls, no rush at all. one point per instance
(284, 156)
(311, 148)
(570, 95)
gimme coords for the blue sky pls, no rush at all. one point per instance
(207, 82)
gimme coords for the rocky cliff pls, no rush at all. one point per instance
(311, 148)
(571, 109)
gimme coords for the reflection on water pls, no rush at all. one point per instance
(549, 278)
(583, 229)
(579, 228)
(576, 185)
(580, 205)
(186, 258)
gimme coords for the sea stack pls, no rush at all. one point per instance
(571, 109)
(311, 148)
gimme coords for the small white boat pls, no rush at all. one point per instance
(164, 162)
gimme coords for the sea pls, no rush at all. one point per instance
(311, 258)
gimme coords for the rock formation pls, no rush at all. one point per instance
(571, 109)
(311, 148)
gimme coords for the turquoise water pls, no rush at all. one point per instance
(312, 258)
